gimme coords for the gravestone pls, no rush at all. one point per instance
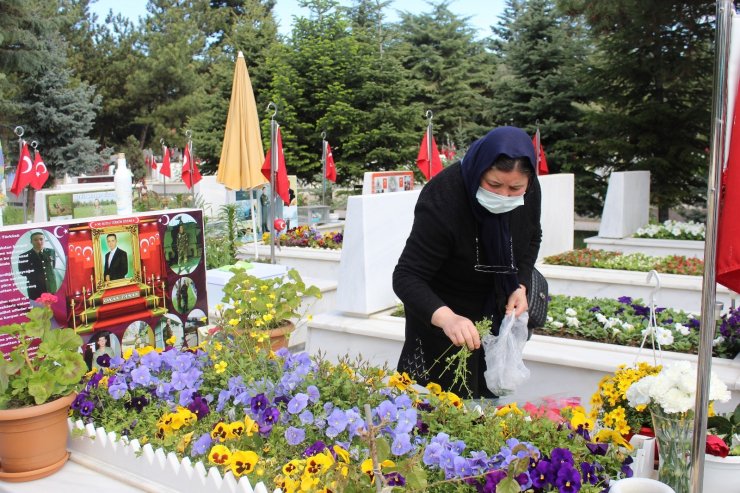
(214, 195)
(557, 214)
(627, 204)
(375, 233)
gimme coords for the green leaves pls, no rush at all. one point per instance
(34, 374)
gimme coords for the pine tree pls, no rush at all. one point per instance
(652, 79)
(451, 71)
(61, 114)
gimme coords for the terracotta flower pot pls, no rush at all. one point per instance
(279, 337)
(33, 440)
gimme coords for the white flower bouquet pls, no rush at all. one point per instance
(673, 389)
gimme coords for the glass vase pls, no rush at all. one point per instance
(673, 431)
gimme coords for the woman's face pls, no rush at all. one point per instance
(507, 183)
(102, 342)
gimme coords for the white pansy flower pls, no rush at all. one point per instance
(718, 340)
(549, 319)
(571, 312)
(682, 329)
(664, 337)
(601, 318)
(572, 321)
(628, 327)
(615, 331)
(557, 325)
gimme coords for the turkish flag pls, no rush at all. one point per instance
(539, 151)
(422, 160)
(165, 169)
(728, 225)
(282, 186)
(23, 171)
(40, 173)
(190, 173)
(331, 168)
(152, 161)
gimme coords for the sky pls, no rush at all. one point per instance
(481, 18)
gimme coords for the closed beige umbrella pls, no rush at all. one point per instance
(241, 154)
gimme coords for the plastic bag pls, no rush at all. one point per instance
(505, 368)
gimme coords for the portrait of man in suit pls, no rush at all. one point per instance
(37, 266)
(115, 263)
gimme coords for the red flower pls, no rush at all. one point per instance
(717, 446)
(47, 299)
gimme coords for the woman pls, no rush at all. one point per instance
(101, 347)
(469, 256)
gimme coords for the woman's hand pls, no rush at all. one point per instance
(517, 301)
(460, 330)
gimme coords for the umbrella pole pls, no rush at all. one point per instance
(253, 212)
(709, 287)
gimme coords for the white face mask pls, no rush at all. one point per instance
(498, 204)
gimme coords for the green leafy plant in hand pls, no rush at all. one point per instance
(457, 362)
(36, 372)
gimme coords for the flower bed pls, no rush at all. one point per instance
(624, 321)
(306, 425)
(672, 230)
(308, 237)
(605, 259)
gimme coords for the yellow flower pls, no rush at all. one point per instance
(269, 305)
(219, 307)
(220, 432)
(267, 317)
(294, 467)
(234, 322)
(220, 455)
(509, 408)
(243, 462)
(184, 442)
(217, 346)
(610, 436)
(171, 341)
(271, 296)
(367, 467)
(128, 353)
(263, 288)
(236, 429)
(253, 299)
(434, 388)
(580, 420)
(204, 319)
(309, 317)
(220, 367)
(400, 381)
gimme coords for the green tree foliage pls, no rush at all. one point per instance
(452, 71)
(543, 55)
(61, 113)
(652, 81)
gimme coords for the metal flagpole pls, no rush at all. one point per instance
(19, 132)
(430, 136)
(164, 178)
(191, 164)
(537, 149)
(273, 178)
(709, 287)
(323, 168)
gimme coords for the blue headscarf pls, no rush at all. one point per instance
(493, 229)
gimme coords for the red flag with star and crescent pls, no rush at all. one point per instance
(331, 168)
(282, 186)
(165, 169)
(40, 172)
(23, 171)
(190, 173)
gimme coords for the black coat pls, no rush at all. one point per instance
(436, 269)
(38, 269)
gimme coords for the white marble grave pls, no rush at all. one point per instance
(557, 213)
(214, 195)
(375, 233)
(627, 204)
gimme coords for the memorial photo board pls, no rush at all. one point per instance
(120, 283)
(387, 182)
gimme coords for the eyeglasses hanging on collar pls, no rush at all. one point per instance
(495, 269)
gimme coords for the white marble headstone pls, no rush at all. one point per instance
(557, 214)
(375, 232)
(627, 205)
(214, 194)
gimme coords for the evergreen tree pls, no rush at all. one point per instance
(652, 79)
(61, 114)
(451, 71)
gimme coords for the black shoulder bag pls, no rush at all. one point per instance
(537, 300)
